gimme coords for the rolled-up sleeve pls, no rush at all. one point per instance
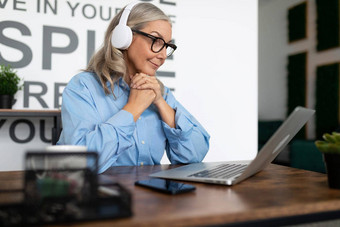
(189, 141)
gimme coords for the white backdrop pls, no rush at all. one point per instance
(214, 67)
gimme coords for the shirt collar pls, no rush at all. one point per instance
(123, 85)
(119, 85)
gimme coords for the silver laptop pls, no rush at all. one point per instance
(233, 172)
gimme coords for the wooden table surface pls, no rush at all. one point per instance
(278, 192)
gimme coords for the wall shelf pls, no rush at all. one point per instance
(55, 114)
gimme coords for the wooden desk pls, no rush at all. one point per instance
(276, 196)
(55, 114)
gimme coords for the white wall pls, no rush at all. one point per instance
(215, 66)
(273, 51)
(217, 72)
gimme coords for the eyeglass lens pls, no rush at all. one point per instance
(158, 45)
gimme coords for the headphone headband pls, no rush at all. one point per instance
(125, 15)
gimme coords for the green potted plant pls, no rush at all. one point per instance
(330, 148)
(9, 85)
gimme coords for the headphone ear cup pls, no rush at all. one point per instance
(121, 37)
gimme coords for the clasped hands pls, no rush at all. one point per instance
(144, 91)
(146, 86)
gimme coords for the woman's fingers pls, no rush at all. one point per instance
(142, 81)
(148, 85)
(137, 80)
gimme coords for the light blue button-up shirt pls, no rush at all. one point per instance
(96, 120)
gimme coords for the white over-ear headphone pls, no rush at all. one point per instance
(121, 37)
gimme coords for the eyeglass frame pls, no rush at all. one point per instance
(154, 38)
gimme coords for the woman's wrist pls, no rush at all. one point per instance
(134, 111)
(166, 112)
(159, 103)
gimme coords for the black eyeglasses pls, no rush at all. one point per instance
(158, 43)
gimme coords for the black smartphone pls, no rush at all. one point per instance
(166, 186)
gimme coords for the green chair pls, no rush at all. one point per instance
(305, 155)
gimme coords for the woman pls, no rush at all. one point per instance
(118, 108)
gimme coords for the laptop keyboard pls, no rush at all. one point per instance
(223, 171)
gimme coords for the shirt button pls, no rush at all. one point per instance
(140, 118)
(143, 142)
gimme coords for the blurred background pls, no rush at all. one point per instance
(299, 65)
